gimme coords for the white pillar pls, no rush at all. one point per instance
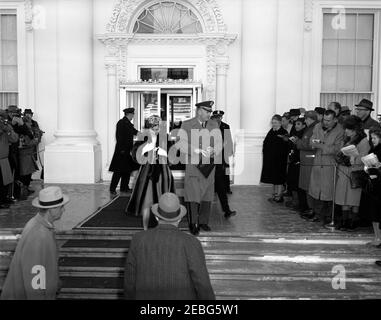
(74, 157)
(112, 112)
(221, 78)
(258, 86)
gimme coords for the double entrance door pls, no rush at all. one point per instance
(174, 105)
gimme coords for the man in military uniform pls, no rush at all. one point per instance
(122, 163)
(363, 111)
(222, 183)
(199, 175)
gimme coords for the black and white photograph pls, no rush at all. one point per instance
(207, 151)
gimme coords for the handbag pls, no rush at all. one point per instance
(359, 179)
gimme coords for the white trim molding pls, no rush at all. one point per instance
(119, 35)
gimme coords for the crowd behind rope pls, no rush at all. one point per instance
(306, 158)
(20, 136)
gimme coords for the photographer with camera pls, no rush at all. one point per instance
(38, 133)
(22, 163)
(7, 136)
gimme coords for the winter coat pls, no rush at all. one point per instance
(275, 154)
(33, 273)
(307, 155)
(345, 195)
(321, 182)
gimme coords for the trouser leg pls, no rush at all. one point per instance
(205, 208)
(193, 210)
(26, 179)
(227, 182)
(302, 195)
(318, 208)
(125, 181)
(220, 187)
(114, 181)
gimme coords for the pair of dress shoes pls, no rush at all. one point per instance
(195, 229)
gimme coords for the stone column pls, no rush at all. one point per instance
(112, 111)
(258, 86)
(221, 77)
(74, 157)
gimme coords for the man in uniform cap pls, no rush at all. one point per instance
(122, 163)
(199, 175)
(222, 181)
(363, 111)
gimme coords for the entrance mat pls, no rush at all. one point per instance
(113, 216)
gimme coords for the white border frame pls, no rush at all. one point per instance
(317, 44)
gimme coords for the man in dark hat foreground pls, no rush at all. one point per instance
(122, 163)
(222, 180)
(199, 178)
(165, 263)
(363, 111)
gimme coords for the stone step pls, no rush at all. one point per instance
(240, 287)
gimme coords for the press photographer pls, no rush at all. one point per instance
(7, 136)
(21, 153)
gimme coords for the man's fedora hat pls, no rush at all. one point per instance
(320, 110)
(129, 110)
(294, 112)
(169, 208)
(206, 105)
(50, 197)
(365, 103)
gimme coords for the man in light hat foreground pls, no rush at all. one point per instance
(165, 263)
(33, 273)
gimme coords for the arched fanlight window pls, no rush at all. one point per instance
(167, 17)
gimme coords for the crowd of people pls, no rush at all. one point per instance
(306, 158)
(20, 136)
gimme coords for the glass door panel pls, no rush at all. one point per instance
(145, 102)
(179, 109)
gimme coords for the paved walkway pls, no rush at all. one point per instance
(255, 214)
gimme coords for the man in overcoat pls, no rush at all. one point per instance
(165, 263)
(33, 273)
(327, 139)
(222, 183)
(199, 182)
(122, 163)
(7, 136)
(307, 155)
